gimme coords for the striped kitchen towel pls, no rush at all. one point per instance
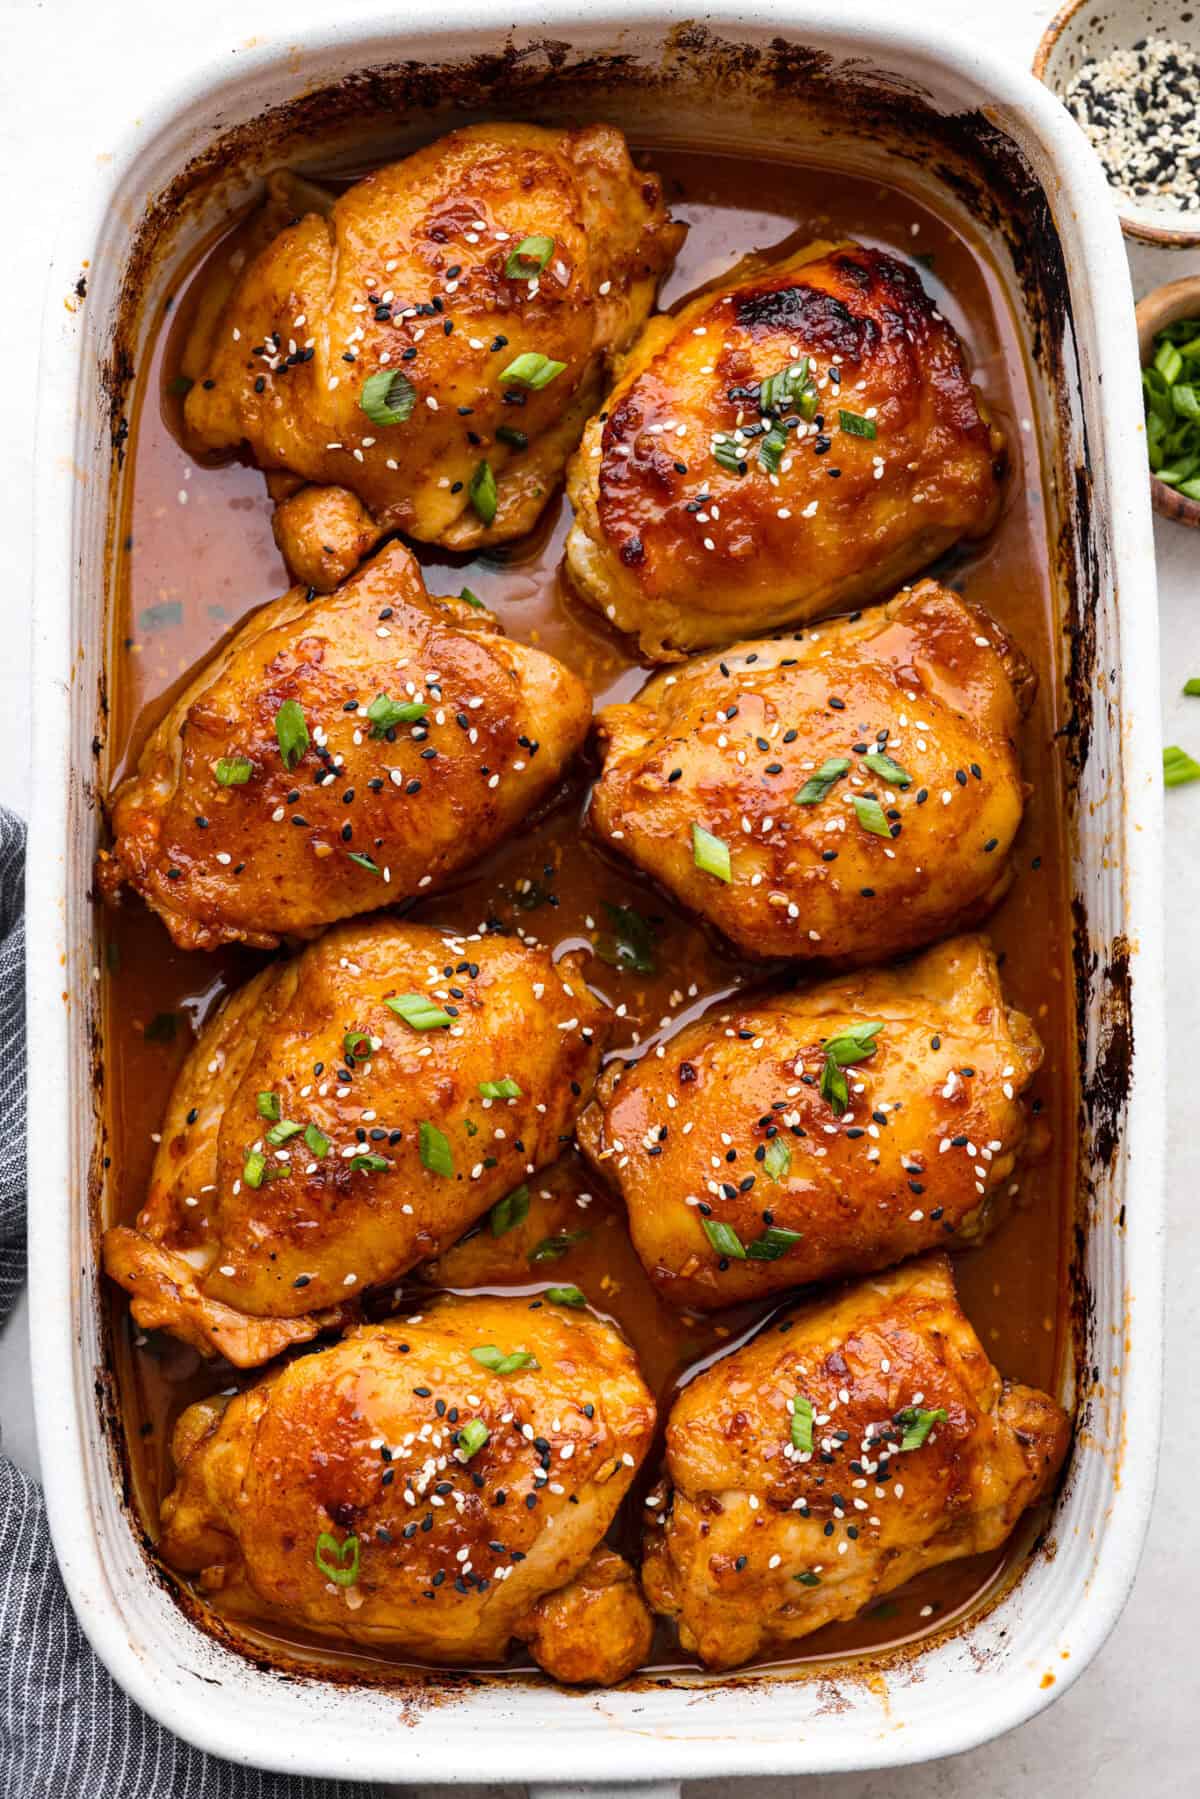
(67, 1731)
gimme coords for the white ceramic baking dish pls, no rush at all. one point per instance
(846, 85)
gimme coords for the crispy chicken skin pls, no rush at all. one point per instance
(732, 1127)
(502, 1542)
(406, 1151)
(727, 743)
(736, 1548)
(281, 851)
(684, 552)
(407, 272)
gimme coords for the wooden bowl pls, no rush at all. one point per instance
(1089, 30)
(1160, 307)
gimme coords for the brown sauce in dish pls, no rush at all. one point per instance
(196, 554)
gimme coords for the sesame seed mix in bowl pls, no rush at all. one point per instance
(1138, 108)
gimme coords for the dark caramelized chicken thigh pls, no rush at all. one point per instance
(835, 1456)
(410, 1487)
(337, 755)
(843, 793)
(833, 1130)
(709, 506)
(479, 287)
(338, 1121)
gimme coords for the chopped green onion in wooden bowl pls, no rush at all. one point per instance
(1171, 395)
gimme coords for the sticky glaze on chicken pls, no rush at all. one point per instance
(337, 755)
(492, 274)
(709, 506)
(844, 1450)
(344, 1116)
(860, 780)
(795, 1137)
(403, 1489)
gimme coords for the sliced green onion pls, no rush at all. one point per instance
(918, 1423)
(888, 770)
(267, 1106)
(771, 448)
(472, 599)
(732, 456)
(418, 1010)
(388, 397)
(871, 816)
(316, 1140)
(471, 1438)
(774, 1242)
(1168, 362)
(852, 1046)
(1179, 767)
(630, 943)
(233, 771)
(802, 1424)
(358, 1045)
(855, 425)
(817, 786)
(386, 714)
(291, 730)
(508, 434)
(789, 390)
(481, 491)
(435, 1150)
(283, 1132)
(254, 1168)
(551, 1248)
(808, 1580)
(532, 369)
(724, 1239)
(338, 1562)
(777, 1159)
(370, 1162)
(509, 1211)
(505, 1088)
(368, 862)
(565, 1296)
(529, 258)
(710, 854)
(1192, 685)
(488, 1356)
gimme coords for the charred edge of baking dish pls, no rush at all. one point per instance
(987, 174)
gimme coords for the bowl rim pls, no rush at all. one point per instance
(1132, 224)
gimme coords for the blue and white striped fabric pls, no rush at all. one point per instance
(67, 1731)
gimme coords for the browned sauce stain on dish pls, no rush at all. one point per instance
(196, 554)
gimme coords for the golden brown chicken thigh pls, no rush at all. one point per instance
(344, 1116)
(337, 755)
(440, 1485)
(843, 793)
(864, 1439)
(432, 343)
(828, 1131)
(798, 441)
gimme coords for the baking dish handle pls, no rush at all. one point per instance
(609, 1789)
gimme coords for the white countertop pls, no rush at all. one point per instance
(72, 78)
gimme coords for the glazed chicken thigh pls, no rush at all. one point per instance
(344, 1116)
(829, 1131)
(439, 1485)
(337, 755)
(431, 343)
(842, 1451)
(845, 793)
(795, 441)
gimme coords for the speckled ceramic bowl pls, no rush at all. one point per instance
(1088, 31)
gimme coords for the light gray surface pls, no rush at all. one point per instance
(71, 78)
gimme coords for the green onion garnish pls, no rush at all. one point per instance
(565, 1296)
(802, 1424)
(368, 862)
(481, 491)
(770, 450)
(855, 1045)
(888, 770)
(369, 1163)
(532, 369)
(471, 1438)
(855, 425)
(731, 456)
(267, 1106)
(1171, 398)
(388, 397)
(724, 1239)
(1179, 767)
(510, 1210)
(1192, 685)
(292, 732)
(435, 1150)
(505, 1088)
(254, 1168)
(871, 816)
(918, 1423)
(233, 771)
(418, 1010)
(710, 854)
(774, 1242)
(316, 1140)
(529, 258)
(630, 943)
(778, 1158)
(508, 434)
(790, 390)
(551, 1248)
(808, 1580)
(817, 786)
(386, 714)
(472, 599)
(358, 1045)
(283, 1132)
(488, 1356)
(337, 1561)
